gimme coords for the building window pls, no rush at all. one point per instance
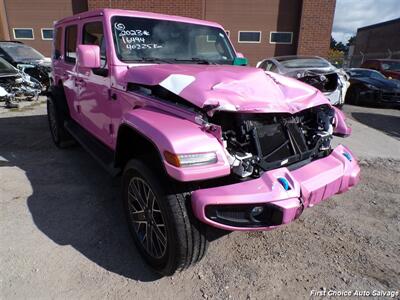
(249, 36)
(70, 43)
(23, 33)
(280, 37)
(47, 33)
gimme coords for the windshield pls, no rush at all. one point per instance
(140, 39)
(366, 73)
(6, 68)
(305, 63)
(391, 65)
(21, 52)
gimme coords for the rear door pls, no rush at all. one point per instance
(64, 64)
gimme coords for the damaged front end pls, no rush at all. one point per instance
(255, 143)
(270, 136)
(282, 164)
(16, 85)
(332, 84)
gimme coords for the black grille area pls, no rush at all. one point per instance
(391, 96)
(279, 141)
(241, 215)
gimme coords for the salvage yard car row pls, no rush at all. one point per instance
(24, 73)
(377, 85)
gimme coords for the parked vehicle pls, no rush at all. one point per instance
(313, 70)
(370, 86)
(16, 85)
(388, 67)
(201, 143)
(28, 60)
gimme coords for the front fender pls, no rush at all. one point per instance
(341, 128)
(180, 136)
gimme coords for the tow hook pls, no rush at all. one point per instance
(300, 211)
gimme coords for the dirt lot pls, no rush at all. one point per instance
(63, 235)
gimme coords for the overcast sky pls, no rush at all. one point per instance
(353, 14)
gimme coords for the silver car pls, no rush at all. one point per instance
(313, 70)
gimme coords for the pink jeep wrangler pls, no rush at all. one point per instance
(201, 142)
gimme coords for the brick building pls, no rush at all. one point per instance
(257, 28)
(380, 40)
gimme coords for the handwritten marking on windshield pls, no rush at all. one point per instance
(142, 46)
(135, 39)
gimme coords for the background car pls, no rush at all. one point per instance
(370, 86)
(28, 60)
(15, 84)
(314, 70)
(388, 67)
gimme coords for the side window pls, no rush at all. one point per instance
(263, 65)
(209, 46)
(269, 66)
(272, 67)
(57, 43)
(71, 33)
(93, 35)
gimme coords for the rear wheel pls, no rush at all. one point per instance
(56, 118)
(162, 225)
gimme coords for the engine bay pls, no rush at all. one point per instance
(255, 143)
(326, 83)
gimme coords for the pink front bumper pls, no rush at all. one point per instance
(308, 186)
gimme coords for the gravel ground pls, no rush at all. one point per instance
(63, 235)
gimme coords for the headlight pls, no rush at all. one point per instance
(372, 87)
(190, 159)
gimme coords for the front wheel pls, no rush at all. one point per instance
(163, 228)
(354, 96)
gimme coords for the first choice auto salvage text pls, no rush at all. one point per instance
(355, 293)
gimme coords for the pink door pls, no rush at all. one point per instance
(64, 66)
(94, 86)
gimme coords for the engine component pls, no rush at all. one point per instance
(255, 143)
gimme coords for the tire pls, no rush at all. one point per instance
(178, 239)
(354, 95)
(56, 118)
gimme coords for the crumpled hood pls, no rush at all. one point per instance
(230, 88)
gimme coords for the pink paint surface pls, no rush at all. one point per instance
(233, 88)
(313, 183)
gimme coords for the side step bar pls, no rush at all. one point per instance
(100, 152)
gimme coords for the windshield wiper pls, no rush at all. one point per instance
(196, 60)
(152, 59)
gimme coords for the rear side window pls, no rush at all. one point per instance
(70, 43)
(57, 43)
(93, 35)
